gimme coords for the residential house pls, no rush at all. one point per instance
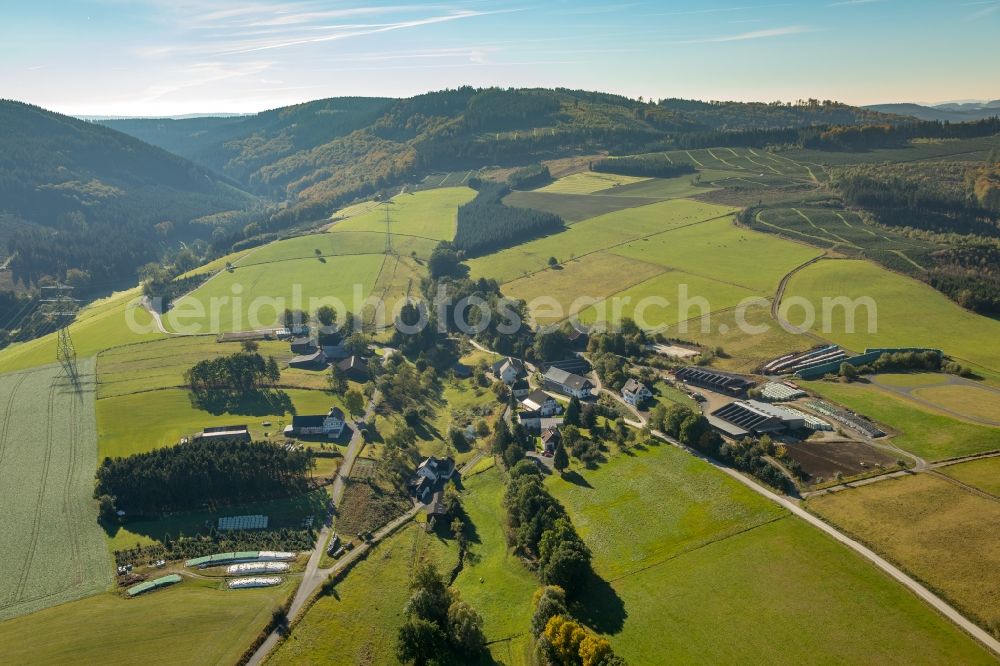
(635, 392)
(542, 403)
(557, 379)
(330, 425)
(550, 439)
(509, 370)
(427, 485)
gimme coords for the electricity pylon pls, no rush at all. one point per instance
(60, 308)
(388, 234)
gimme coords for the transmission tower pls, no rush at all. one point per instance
(60, 308)
(388, 234)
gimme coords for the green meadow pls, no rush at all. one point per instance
(265, 290)
(604, 232)
(193, 622)
(909, 313)
(357, 622)
(983, 474)
(429, 214)
(140, 422)
(698, 568)
(588, 182)
(51, 547)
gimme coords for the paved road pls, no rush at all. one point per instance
(935, 601)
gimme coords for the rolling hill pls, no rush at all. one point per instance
(78, 196)
(955, 113)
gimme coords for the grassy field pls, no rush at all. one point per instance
(51, 547)
(681, 292)
(357, 623)
(950, 149)
(910, 379)
(194, 622)
(399, 278)
(167, 415)
(595, 277)
(700, 569)
(588, 182)
(265, 290)
(918, 522)
(928, 434)
(593, 235)
(493, 580)
(429, 214)
(100, 325)
(964, 399)
(983, 474)
(718, 250)
(574, 207)
(909, 313)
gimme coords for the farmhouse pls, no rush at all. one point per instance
(354, 367)
(567, 383)
(541, 403)
(752, 417)
(509, 370)
(330, 424)
(314, 361)
(635, 392)
(427, 484)
(303, 346)
(235, 432)
(714, 380)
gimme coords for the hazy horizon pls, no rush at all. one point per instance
(168, 58)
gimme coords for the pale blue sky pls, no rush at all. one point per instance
(162, 57)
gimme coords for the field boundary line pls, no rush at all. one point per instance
(625, 242)
(700, 546)
(692, 157)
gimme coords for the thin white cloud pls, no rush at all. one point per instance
(754, 34)
(848, 3)
(987, 9)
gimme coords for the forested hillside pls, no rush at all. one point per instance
(321, 154)
(84, 203)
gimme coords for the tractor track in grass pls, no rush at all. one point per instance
(36, 523)
(7, 414)
(69, 513)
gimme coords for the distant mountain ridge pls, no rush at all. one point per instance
(319, 154)
(951, 112)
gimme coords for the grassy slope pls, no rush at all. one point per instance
(357, 623)
(919, 522)
(189, 623)
(910, 313)
(706, 571)
(267, 289)
(167, 415)
(100, 325)
(51, 548)
(595, 234)
(493, 580)
(428, 214)
(588, 182)
(929, 435)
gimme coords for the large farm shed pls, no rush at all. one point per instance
(752, 417)
(153, 584)
(715, 380)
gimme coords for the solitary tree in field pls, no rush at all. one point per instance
(553, 262)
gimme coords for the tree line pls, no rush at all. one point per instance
(199, 472)
(646, 166)
(244, 371)
(486, 224)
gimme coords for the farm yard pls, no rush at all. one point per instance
(51, 547)
(916, 521)
(661, 520)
